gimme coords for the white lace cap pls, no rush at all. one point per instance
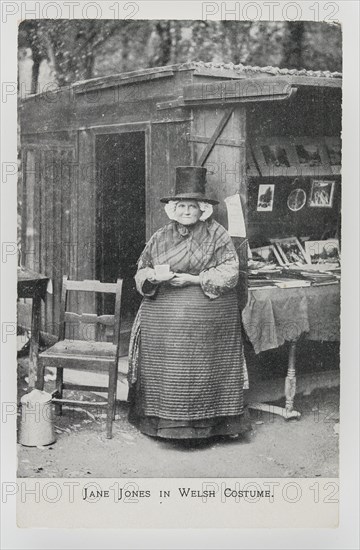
(205, 207)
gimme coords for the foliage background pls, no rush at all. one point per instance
(65, 51)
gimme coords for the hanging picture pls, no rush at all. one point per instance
(333, 149)
(291, 251)
(297, 156)
(322, 193)
(296, 200)
(312, 156)
(309, 154)
(275, 156)
(265, 198)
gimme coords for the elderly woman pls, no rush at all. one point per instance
(186, 361)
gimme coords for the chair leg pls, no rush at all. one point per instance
(111, 400)
(115, 387)
(59, 389)
(40, 375)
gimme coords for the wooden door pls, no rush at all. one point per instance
(120, 211)
(49, 210)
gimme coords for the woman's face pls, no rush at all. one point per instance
(187, 212)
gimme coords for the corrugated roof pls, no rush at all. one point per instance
(249, 69)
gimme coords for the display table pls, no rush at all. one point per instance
(273, 316)
(33, 285)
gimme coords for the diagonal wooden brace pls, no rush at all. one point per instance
(210, 144)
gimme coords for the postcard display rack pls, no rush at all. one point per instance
(293, 226)
(294, 211)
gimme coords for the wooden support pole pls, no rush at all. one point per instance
(290, 380)
(34, 339)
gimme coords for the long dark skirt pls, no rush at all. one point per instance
(190, 377)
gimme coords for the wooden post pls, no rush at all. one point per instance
(34, 338)
(290, 390)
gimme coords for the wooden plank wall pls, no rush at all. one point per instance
(49, 211)
(226, 163)
(86, 222)
(169, 148)
(31, 231)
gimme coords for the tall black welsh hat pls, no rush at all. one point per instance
(190, 184)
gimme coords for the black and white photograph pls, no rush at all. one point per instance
(265, 198)
(322, 193)
(333, 148)
(323, 252)
(275, 155)
(147, 351)
(309, 154)
(134, 329)
(268, 254)
(291, 251)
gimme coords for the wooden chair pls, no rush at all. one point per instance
(85, 354)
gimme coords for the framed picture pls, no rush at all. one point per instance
(291, 251)
(275, 156)
(312, 156)
(323, 252)
(296, 200)
(265, 198)
(333, 149)
(322, 193)
(267, 253)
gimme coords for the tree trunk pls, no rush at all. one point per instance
(231, 31)
(293, 45)
(89, 66)
(37, 58)
(163, 30)
(124, 50)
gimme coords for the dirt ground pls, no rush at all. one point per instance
(274, 448)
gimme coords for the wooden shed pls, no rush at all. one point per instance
(98, 155)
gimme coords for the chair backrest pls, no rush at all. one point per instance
(84, 320)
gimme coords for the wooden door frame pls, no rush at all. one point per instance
(124, 128)
(119, 129)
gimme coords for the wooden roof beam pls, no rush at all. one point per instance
(237, 91)
(252, 89)
(232, 92)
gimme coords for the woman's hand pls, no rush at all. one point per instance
(184, 279)
(151, 276)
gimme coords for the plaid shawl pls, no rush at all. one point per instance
(189, 250)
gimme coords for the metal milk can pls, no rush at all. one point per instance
(36, 426)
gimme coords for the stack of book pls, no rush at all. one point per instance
(292, 276)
